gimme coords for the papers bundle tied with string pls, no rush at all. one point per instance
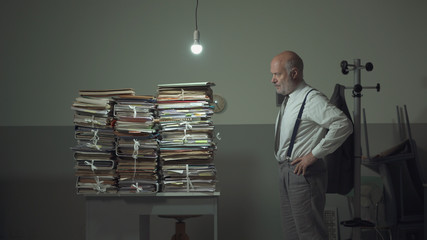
(136, 150)
(94, 152)
(186, 137)
(143, 144)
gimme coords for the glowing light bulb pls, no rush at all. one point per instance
(196, 48)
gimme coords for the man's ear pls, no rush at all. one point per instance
(294, 73)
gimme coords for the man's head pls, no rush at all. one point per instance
(287, 69)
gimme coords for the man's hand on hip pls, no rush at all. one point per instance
(303, 163)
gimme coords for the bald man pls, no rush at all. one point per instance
(302, 172)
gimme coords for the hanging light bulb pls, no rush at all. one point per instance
(196, 48)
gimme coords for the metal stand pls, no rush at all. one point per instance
(357, 222)
(180, 233)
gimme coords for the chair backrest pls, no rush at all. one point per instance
(407, 185)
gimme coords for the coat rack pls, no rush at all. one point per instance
(357, 222)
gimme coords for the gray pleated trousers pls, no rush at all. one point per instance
(303, 201)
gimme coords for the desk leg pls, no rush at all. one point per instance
(425, 211)
(144, 227)
(215, 207)
(215, 227)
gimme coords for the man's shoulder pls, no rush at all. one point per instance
(316, 98)
(314, 93)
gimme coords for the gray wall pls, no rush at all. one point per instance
(51, 49)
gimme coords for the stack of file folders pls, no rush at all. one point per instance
(137, 147)
(94, 153)
(186, 137)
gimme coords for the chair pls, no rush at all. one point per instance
(403, 178)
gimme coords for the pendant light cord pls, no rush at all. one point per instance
(197, 6)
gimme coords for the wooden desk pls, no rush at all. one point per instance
(105, 213)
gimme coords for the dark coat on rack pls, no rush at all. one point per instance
(340, 164)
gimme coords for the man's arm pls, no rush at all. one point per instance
(329, 117)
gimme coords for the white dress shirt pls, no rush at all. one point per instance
(323, 126)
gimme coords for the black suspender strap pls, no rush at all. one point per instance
(297, 123)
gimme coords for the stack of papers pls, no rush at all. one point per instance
(98, 139)
(134, 114)
(186, 137)
(94, 153)
(137, 146)
(93, 108)
(145, 144)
